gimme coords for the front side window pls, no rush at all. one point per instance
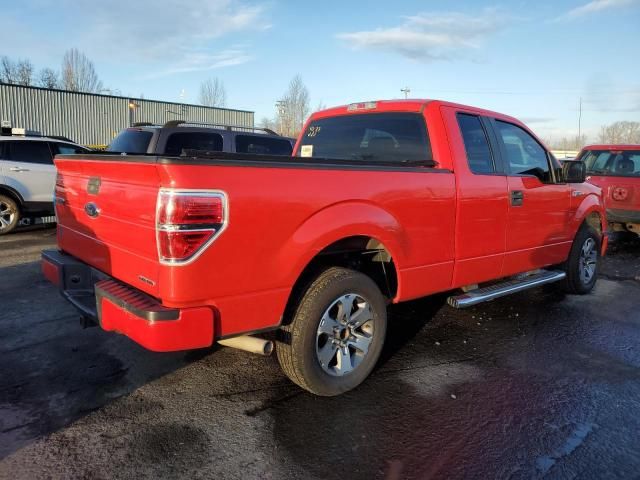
(373, 137)
(623, 163)
(30, 152)
(525, 156)
(263, 145)
(476, 144)
(181, 141)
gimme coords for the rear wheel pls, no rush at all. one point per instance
(336, 335)
(9, 214)
(583, 263)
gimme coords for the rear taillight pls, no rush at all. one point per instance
(187, 221)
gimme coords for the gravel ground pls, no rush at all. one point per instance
(534, 385)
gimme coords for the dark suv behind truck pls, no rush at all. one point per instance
(175, 137)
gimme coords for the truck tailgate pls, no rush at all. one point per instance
(106, 216)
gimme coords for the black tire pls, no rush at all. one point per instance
(301, 341)
(577, 281)
(9, 214)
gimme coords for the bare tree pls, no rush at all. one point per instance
(213, 93)
(24, 72)
(78, 73)
(566, 143)
(7, 70)
(620, 132)
(270, 123)
(293, 108)
(48, 78)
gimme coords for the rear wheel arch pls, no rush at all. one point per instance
(361, 253)
(13, 194)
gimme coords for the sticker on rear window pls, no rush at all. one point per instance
(306, 151)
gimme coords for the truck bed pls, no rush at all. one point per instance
(282, 212)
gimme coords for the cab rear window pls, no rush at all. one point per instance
(371, 137)
(179, 142)
(624, 163)
(131, 141)
(263, 145)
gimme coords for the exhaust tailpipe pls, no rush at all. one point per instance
(249, 344)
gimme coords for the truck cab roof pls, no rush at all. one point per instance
(175, 137)
(404, 105)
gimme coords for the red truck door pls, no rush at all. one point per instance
(539, 207)
(482, 207)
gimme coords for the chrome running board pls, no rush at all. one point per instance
(480, 295)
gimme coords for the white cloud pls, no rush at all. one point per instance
(199, 62)
(596, 6)
(168, 36)
(432, 36)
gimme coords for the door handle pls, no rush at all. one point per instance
(18, 169)
(517, 197)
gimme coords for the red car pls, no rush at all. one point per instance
(616, 169)
(382, 202)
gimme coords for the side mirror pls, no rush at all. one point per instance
(574, 171)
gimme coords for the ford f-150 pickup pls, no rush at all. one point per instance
(381, 202)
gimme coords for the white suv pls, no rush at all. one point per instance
(28, 176)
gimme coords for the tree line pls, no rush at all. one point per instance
(620, 132)
(76, 73)
(291, 109)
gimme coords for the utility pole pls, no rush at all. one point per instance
(132, 106)
(281, 105)
(406, 91)
(580, 123)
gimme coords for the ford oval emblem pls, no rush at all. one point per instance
(92, 210)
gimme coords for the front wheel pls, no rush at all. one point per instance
(336, 335)
(583, 263)
(9, 214)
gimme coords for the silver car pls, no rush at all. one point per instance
(28, 176)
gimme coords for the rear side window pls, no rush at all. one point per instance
(624, 163)
(373, 137)
(476, 144)
(67, 149)
(30, 152)
(524, 155)
(131, 141)
(181, 141)
(263, 145)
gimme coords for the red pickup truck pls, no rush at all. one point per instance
(616, 169)
(382, 202)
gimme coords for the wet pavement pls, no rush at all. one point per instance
(535, 385)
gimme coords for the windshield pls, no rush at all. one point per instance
(131, 141)
(622, 163)
(374, 137)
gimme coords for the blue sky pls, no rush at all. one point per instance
(530, 59)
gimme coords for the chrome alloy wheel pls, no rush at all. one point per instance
(344, 334)
(7, 215)
(588, 261)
